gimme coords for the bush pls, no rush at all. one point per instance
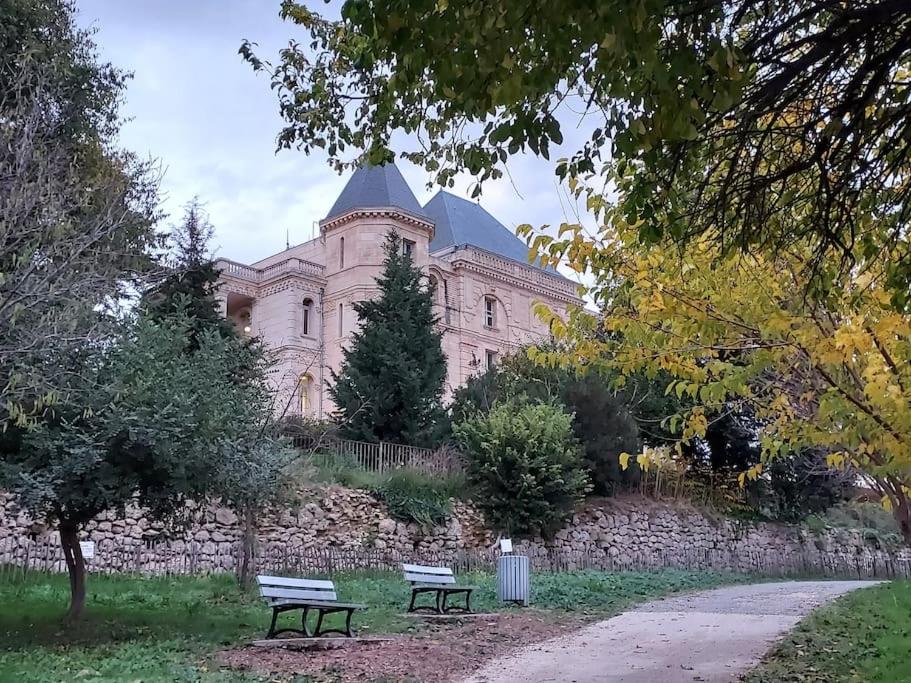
(413, 496)
(602, 419)
(525, 463)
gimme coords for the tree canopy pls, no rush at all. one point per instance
(757, 123)
(830, 373)
(77, 215)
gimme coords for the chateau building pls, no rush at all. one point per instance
(299, 301)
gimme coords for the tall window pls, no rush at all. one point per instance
(306, 316)
(490, 311)
(408, 248)
(341, 252)
(341, 319)
(491, 359)
(303, 389)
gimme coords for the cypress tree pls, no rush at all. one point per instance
(390, 384)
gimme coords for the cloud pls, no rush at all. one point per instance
(198, 108)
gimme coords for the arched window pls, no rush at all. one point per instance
(434, 289)
(303, 391)
(341, 252)
(341, 320)
(306, 316)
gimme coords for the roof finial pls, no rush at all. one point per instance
(287, 238)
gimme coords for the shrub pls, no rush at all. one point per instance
(525, 463)
(602, 419)
(413, 496)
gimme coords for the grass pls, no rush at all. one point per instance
(165, 629)
(863, 637)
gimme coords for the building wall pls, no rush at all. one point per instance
(274, 291)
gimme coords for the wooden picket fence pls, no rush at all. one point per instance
(168, 558)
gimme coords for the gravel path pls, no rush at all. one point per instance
(712, 637)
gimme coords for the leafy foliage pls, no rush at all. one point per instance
(601, 420)
(525, 463)
(736, 331)
(390, 384)
(77, 214)
(738, 121)
(148, 420)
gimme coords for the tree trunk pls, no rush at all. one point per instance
(75, 565)
(901, 510)
(248, 549)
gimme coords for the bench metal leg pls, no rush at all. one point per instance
(348, 631)
(304, 627)
(271, 633)
(320, 631)
(439, 605)
(466, 608)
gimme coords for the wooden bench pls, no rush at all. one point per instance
(439, 580)
(284, 595)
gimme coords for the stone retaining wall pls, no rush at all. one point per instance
(352, 521)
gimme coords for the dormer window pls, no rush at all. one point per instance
(490, 312)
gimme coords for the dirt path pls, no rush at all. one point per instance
(712, 637)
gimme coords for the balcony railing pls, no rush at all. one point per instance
(290, 265)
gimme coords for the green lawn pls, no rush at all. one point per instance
(163, 629)
(864, 637)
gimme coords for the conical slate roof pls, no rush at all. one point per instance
(461, 222)
(376, 187)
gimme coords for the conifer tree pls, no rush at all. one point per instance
(193, 277)
(390, 384)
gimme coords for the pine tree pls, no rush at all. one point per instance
(390, 384)
(193, 277)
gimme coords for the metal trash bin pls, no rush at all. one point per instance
(513, 579)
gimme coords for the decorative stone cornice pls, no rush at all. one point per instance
(379, 212)
(515, 274)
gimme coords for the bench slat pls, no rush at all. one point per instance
(419, 569)
(297, 594)
(294, 583)
(328, 604)
(430, 578)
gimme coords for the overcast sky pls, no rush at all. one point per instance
(195, 106)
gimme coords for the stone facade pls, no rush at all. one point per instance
(300, 300)
(613, 533)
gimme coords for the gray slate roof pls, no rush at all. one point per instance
(460, 222)
(376, 187)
